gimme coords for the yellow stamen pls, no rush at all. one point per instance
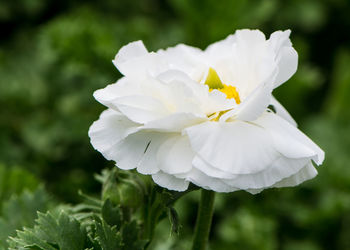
(231, 92)
(214, 82)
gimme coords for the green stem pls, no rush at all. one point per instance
(157, 205)
(204, 218)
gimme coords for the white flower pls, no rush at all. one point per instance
(208, 117)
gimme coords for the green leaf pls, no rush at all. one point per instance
(130, 235)
(111, 214)
(27, 239)
(21, 211)
(108, 237)
(64, 232)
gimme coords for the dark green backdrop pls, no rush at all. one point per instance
(54, 54)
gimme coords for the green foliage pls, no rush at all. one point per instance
(101, 224)
(54, 54)
(337, 103)
(20, 211)
(68, 229)
(112, 215)
(153, 204)
(52, 233)
(247, 230)
(107, 236)
(21, 196)
(124, 188)
(209, 20)
(14, 181)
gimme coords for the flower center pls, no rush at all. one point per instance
(214, 82)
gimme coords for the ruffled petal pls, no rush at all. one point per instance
(287, 65)
(175, 155)
(109, 129)
(281, 168)
(286, 56)
(148, 163)
(220, 50)
(170, 181)
(130, 51)
(187, 59)
(233, 147)
(140, 108)
(122, 87)
(202, 180)
(248, 64)
(289, 140)
(134, 61)
(137, 150)
(190, 96)
(147, 102)
(175, 122)
(209, 170)
(306, 173)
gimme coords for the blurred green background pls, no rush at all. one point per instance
(54, 54)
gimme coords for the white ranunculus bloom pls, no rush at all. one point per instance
(208, 117)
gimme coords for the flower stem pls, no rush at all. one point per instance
(204, 218)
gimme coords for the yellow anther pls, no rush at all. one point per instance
(231, 92)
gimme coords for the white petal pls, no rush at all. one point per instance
(202, 180)
(148, 163)
(170, 182)
(279, 169)
(287, 65)
(252, 107)
(282, 112)
(109, 129)
(250, 37)
(286, 56)
(209, 170)
(289, 140)
(184, 58)
(220, 50)
(179, 81)
(304, 174)
(254, 191)
(279, 39)
(175, 155)
(138, 150)
(181, 96)
(173, 74)
(152, 99)
(175, 122)
(121, 88)
(251, 63)
(134, 61)
(188, 96)
(141, 108)
(234, 147)
(130, 51)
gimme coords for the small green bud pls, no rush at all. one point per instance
(124, 189)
